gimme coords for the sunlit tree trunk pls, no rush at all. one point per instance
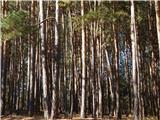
(65, 67)
(99, 74)
(139, 79)
(157, 8)
(44, 78)
(134, 68)
(82, 114)
(32, 62)
(116, 48)
(92, 73)
(110, 79)
(72, 56)
(38, 73)
(93, 31)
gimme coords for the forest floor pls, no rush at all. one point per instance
(22, 117)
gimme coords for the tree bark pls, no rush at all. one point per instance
(82, 115)
(116, 48)
(54, 110)
(44, 78)
(134, 68)
(157, 9)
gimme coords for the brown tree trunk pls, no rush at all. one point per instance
(54, 110)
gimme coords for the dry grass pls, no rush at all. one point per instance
(19, 117)
(76, 117)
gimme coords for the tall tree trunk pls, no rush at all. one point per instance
(44, 78)
(154, 56)
(82, 115)
(32, 62)
(54, 110)
(92, 74)
(99, 75)
(134, 68)
(116, 48)
(65, 67)
(157, 9)
(110, 80)
(3, 47)
(1, 69)
(37, 100)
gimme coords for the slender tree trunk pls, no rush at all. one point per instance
(82, 115)
(37, 106)
(134, 74)
(110, 78)
(92, 74)
(117, 107)
(32, 63)
(138, 74)
(99, 76)
(65, 68)
(1, 68)
(44, 80)
(3, 46)
(72, 58)
(54, 110)
(4, 73)
(157, 9)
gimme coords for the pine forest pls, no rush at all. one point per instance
(84, 59)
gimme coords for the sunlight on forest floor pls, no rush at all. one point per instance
(19, 117)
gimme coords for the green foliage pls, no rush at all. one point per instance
(141, 16)
(103, 14)
(15, 25)
(64, 3)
